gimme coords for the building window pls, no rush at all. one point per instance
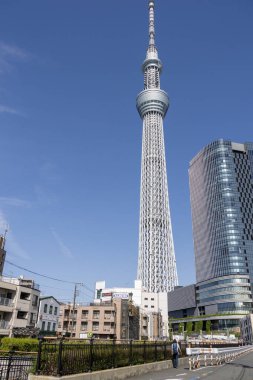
(85, 313)
(43, 326)
(55, 310)
(95, 326)
(48, 326)
(25, 296)
(53, 329)
(96, 314)
(50, 309)
(45, 308)
(22, 315)
(108, 314)
(31, 318)
(84, 326)
(35, 300)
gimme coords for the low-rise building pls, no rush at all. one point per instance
(104, 320)
(218, 304)
(48, 315)
(19, 301)
(153, 307)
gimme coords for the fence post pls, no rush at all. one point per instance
(38, 363)
(59, 364)
(113, 353)
(156, 350)
(144, 352)
(11, 353)
(130, 352)
(91, 355)
(165, 351)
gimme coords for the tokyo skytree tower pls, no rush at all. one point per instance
(156, 260)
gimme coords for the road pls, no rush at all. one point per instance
(240, 369)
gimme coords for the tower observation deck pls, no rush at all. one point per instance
(156, 259)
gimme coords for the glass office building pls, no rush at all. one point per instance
(221, 188)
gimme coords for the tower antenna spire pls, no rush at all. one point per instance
(151, 6)
(156, 260)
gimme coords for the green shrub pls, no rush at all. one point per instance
(19, 344)
(208, 327)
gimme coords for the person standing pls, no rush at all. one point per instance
(175, 350)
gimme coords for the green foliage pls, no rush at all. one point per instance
(208, 327)
(198, 326)
(180, 328)
(19, 344)
(189, 327)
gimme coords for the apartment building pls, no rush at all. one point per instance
(106, 320)
(19, 301)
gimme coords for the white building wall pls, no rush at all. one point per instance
(48, 316)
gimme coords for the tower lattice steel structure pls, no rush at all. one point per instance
(156, 261)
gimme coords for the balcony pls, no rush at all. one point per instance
(4, 325)
(6, 302)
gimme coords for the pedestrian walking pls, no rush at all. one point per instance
(175, 350)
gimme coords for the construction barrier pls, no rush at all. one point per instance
(214, 356)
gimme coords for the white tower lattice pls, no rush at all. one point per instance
(156, 261)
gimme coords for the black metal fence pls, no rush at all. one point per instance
(66, 358)
(14, 366)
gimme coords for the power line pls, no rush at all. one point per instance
(43, 275)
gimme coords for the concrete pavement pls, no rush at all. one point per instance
(240, 369)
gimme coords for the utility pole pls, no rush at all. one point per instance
(76, 293)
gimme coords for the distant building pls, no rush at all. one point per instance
(48, 315)
(104, 320)
(150, 304)
(19, 302)
(182, 302)
(247, 328)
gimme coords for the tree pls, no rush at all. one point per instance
(208, 327)
(189, 328)
(198, 326)
(180, 328)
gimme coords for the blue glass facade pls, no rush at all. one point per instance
(221, 188)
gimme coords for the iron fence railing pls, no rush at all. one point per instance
(15, 366)
(66, 358)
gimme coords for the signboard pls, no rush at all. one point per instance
(121, 295)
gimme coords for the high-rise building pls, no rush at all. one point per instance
(156, 260)
(221, 187)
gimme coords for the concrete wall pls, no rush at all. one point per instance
(118, 373)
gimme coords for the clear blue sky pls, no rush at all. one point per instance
(71, 136)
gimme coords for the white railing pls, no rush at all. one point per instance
(214, 356)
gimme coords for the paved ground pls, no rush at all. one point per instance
(240, 369)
